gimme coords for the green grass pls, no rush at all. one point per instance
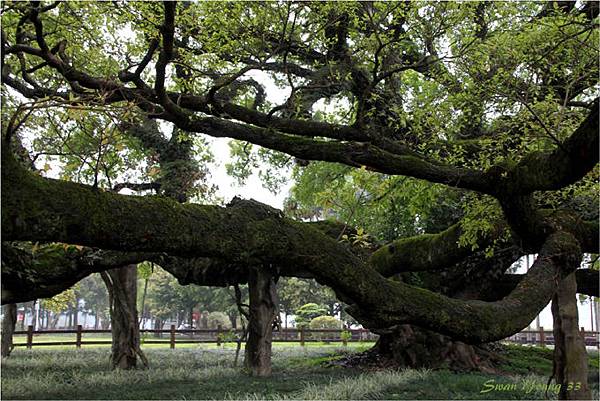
(525, 359)
(205, 372)
(22, 339)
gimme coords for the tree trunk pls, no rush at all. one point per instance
(76, 313)
(34, 315)
(143, 306)
(8, 328)
(22, 321)
(261, 286)
(55, 318)
(158, 326)
(570, 355)
(233, 319)
(122, 290)
(413, 347)
(596, 305)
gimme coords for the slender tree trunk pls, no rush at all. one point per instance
(142, 318)
(34, 315)
(122, 290)
(8, 328)
(570, 355)
(233, 319)
(262, 291)
(157, 326)
(55, 318)
(22, 322)
(596, 305)
(76, 313)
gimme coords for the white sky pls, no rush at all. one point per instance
(253, 189)
(228, 186)
(585, 319)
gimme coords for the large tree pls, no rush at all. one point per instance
(496, 99)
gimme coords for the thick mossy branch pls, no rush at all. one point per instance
(477, 321)
(42, 271)
(587, 283)
(420, 253)
(565, 165)
(249, 233)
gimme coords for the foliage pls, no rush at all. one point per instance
(95, 296)
(228, 336)
(60, 302)
(325, 322)
(166, 297)
(294, 292)
(385, 206)
(435, 90)
(216, 319)
(308, 312)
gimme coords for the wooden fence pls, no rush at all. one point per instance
(190, 336)
(543, 337)
(219, 336)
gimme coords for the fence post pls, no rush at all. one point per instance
(219, 328)
(542, 337)
(78, 339)
(29, 336)
(344, 336)
(302, 336)
(172, 336)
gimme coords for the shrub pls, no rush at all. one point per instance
(218, 318)
(324, 322)
(307, 312)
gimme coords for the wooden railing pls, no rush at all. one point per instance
(543, 337)
(188, 336)
(219, 336)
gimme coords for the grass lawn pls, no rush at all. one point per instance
(205, 372)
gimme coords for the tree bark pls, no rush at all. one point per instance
(261, 286)
(8, 328)
(122, 289)
(570, 355)
(413, 347)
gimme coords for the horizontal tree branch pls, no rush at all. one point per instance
(249, 233)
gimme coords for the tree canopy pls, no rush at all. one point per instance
(473, 126)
